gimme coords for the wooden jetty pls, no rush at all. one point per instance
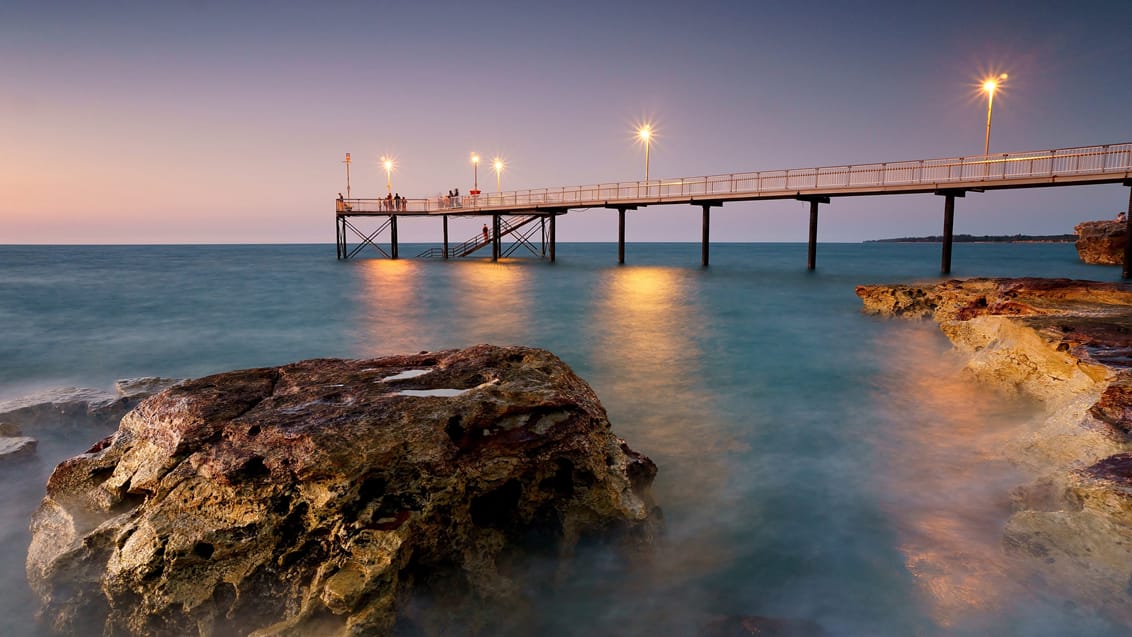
(519, 215)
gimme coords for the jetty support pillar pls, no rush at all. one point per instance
(812, 245)
(705, 232)
(552, 217)
(444, 218)
(393, 236)
(495, 241)
(620, 235)
(340, 236)
(948, 226)
(621, 231)
(1127, 272)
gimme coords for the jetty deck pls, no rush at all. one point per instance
(514, 213)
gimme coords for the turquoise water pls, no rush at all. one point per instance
(815, 463)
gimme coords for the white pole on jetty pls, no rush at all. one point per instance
(347, 162)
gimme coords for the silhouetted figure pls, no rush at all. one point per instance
(485, 235)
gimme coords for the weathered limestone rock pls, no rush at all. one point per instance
(313, 498)
(1068, 343)
(1101, 242)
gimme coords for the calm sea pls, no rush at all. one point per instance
(815, 463)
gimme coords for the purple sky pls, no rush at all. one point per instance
(214, 122)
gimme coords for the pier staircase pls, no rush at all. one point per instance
(521, 229)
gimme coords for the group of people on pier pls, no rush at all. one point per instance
(452, 199)
(395, 202)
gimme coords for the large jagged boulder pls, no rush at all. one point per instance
(1101, 242)
(316, 497)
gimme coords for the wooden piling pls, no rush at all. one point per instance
(445, 219)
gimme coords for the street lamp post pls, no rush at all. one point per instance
(388, 163)
(475, 174)
(645, 133)
(347, 162)
(990, 86)
(497, 163)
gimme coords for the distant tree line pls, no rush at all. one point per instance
(986, 238)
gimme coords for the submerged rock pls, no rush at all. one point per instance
(1102, 242)
(314, 498)
(80, 406)
(1069, 344)
(12, 447)
(756, 625)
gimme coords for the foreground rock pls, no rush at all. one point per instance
(1069, 344)
(314, 498)
(1101, 242)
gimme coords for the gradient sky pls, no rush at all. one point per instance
(218, 122)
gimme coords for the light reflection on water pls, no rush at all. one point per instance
(814, 463)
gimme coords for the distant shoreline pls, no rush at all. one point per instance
(968, 238)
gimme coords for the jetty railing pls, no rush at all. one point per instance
(991, 170)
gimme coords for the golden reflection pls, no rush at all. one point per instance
(393, 309)
(649, 377)
(493, 302)
(943, 476)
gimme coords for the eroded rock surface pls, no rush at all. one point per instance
(1069, 344)
(312, 498)
(1101, 242)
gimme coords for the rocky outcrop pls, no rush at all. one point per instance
(1069, 344)
(1101, 242)
(317, 498)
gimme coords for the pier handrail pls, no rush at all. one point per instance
(997, 170)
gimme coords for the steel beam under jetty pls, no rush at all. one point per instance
(950, 177)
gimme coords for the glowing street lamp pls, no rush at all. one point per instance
(475, 174)
(645, 133)
(388, 163)
(498, 165)
(990, 86)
